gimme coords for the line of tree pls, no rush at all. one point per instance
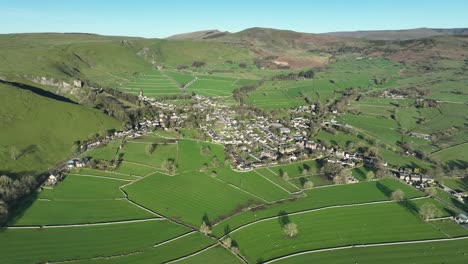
(12, 189)
(307, 74)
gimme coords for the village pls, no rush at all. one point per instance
(253, 142)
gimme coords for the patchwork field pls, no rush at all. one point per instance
(331, 228)
(190, 197)
(434, 252)
(318, 198)
(40, 245)
(152, 84)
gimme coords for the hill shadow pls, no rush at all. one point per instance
(39, 91)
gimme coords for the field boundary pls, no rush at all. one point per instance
(366, 246)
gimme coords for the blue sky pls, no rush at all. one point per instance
(157, 18)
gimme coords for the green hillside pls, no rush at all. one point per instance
(36, 132)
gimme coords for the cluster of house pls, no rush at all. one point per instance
(460, 196)
(412, 176)
(419, 135)
(387, 94)
(265, 141)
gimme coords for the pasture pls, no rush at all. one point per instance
(192, 158)
(189, 197)
(152, 84)
(219, 253)
(320, 197)
(253, 183)
(365, 224)
(79, 200)
(433, 252)
(41, 245)
(37, 132)
(160, 253)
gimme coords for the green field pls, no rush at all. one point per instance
(332, 228)
(318, 198)
(80, 212)
(161, 253)
(188, 197)
(37, 132)
(84, 188)
(135, 152)
(450, 252)
(218, 253)
(40, 245)
(152, 84)
(191, 157)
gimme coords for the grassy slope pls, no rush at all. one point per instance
(450, 252)
(43, 129)
(187, 197)
(334, 227)
(82, 242)
(321, 197)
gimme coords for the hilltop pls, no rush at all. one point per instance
(204, 34)
(404, 34)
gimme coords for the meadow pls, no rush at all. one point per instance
(68, 243)
(37, 132)
(152, 84)
(434, 252)
(161, 253)
(318, 198)
(332, 228)
(189, 197)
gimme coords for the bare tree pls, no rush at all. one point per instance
(398, 195)
(308, 184)
(205, 228)
(290, 230)
(14, 153)
(342, 177)
(227, 241)
(150, 149)
(428, 211)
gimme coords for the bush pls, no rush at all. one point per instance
(198, 64)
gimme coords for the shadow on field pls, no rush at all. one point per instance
(20, 208)
(283, 218)
(384, 189)
(461, 164)
(39, 91)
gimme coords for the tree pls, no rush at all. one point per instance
(308, 184)
(342, 177)
(3, 212)
(150, 148)
(215, 162)
(227, 241)
(14, 153)
(332, 169)
(204, 167)
(205, 228)
(285, 176)
(428, 211)
(290, 230)
(206, 150)
(398, 195)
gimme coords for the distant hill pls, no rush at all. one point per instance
(205, 34)
(405, 34)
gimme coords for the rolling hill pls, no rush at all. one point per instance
(404, 34)
(38, 131)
